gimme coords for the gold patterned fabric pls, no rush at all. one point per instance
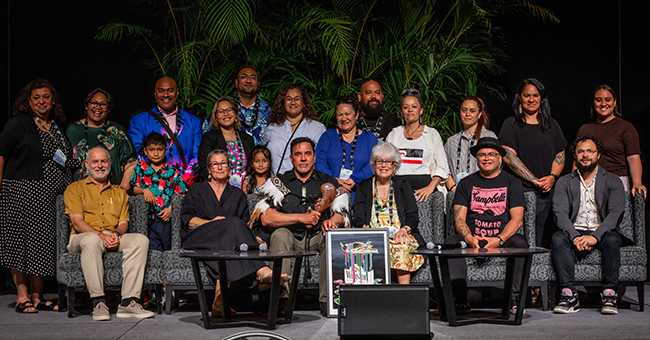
(400, 257)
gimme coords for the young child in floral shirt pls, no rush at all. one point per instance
(157, 181)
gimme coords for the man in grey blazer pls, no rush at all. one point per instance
(588, 206)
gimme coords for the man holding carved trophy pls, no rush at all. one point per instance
(297, 208)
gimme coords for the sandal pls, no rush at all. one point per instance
(23, 306)
(266, 281)
(217, 312)
(43, 305)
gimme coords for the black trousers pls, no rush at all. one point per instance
(458, 267)
(562, 256)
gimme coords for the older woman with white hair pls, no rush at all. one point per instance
(387, 201)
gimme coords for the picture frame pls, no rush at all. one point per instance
(366, 260)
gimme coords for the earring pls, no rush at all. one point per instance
(209, 177)
(520, 111)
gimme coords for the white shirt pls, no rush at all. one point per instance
(588, 218)
(276, 137)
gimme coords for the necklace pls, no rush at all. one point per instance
(414, 131)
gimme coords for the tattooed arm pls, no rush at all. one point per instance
(460, 214)
(518, 166)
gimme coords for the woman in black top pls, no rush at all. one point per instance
(388, 201)
(214, 216)
(535, 144)
(226, 134)
(35, 156)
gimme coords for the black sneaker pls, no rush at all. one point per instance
(513, 306)
(323, 309)
(609, 304)
(568, 304)
(282, 307)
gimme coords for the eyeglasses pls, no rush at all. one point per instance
(588, 152)
(217, 165)
(247, 76)
(487, 155)
(296, 99)
(96, 104)
(224, 111)
(382, 162)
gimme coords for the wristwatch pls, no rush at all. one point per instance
(119, 236)
(500, 241)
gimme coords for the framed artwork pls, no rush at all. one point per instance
(355, 256)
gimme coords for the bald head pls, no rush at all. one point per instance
(166, 93)
(98, 163)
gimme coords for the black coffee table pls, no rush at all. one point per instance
(231, 255)
(445, 299)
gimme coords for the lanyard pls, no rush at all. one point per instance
(354, 145)
(390, 203)
(101, 134)
(179, 123)
(56, 127)
(472, 141)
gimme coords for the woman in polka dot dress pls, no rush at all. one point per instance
(35, 157)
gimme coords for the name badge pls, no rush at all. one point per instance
(345, 173)
(461, 175)
(59, 157)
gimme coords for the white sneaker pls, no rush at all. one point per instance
(101, 313)
(133, 310)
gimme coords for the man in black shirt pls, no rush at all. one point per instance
(373, 118)
(295, 225)
(488, 211)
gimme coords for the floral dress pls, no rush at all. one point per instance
(111, 136)
(237, 159)
(384, 214)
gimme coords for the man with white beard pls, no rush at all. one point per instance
(99, 218)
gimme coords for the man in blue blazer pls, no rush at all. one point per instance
(167, 116)
(588, 207)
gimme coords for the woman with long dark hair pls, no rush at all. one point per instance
(621, 149)
(534, 145)
(292, 116)
(35, 162)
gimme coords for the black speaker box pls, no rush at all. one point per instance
(384, 312)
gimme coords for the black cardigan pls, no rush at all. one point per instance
(22, 149)
(213, 140)
(407, 207)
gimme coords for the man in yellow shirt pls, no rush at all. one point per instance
(99, 220)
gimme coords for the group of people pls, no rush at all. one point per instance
(377, 168)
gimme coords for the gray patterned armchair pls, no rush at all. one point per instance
(69, 272)
(178, 270)
(493, 271)
(588, 270)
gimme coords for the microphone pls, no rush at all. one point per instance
(444, 246)
(246, 247)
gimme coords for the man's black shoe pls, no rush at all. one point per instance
(282, 307)
(323, 309)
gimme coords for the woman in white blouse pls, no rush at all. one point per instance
(424, 163)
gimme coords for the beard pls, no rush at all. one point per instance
(94, 173)
(587, 168)
(370, 110)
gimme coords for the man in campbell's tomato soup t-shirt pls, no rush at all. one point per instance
(488, 211)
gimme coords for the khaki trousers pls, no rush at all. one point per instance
(134, 248)
(283, 239)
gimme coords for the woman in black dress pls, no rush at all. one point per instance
(33, 171)
(214, 216)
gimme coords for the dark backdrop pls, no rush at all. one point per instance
(596, 42)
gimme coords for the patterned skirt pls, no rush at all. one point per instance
(401, 259)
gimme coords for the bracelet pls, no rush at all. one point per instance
(453, 186)
(118, 233)
(98, 232)
(408, 229)
(554, 176)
